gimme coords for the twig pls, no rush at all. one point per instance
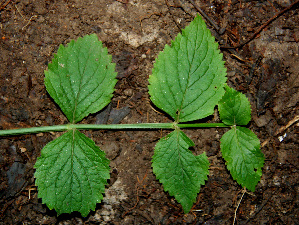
(28, 21)
(123, 1)
(272, 5)
(290, 123)
(176, 23)
(205, 16)
(244, 191)
(19, 12)
(261, 207)
(219, 32)
(263, 26)
(5, 4)
(280, 130)
(137, 193)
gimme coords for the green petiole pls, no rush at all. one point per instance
(142, 126)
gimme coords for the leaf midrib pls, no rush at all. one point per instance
(189, 71)
(81, 78)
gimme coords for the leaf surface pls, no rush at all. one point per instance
(234, 108)
(180, 172)
(240, 148)
(71, 174)
(188, 78)
(81, 78)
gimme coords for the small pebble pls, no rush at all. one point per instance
(128, 92)
(278, 31)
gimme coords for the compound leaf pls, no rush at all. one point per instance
(234, 108)
(81, 78)
(240, 148)
(71, 174)
(180, 172)
(188, 78)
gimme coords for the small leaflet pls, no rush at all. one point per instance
(240, 148)
(188, 78)
(234, 108)
(81, 77)
(71, 174)
(180, 172)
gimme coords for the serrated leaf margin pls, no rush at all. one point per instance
(181, 102)
(234, 108)
(195, 168)
(240, 149)
(69, 91)
(56, 181)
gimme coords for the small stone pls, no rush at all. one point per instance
(38, 122)
(112, 150)
(23, 150)
(128, 92)
(276, 180)
(263, 120)
(282, 156)
(278, 31)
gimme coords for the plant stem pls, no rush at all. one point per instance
(201, 125)
(33, 130)
(142, 126)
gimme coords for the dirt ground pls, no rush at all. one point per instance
(134, 31)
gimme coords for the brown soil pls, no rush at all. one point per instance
(134, 31)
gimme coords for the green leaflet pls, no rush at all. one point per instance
(71, 174)
(234, 108)
(180, 172)
(81, 78)
(72, 171)
(188, 77)
(240, 148)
